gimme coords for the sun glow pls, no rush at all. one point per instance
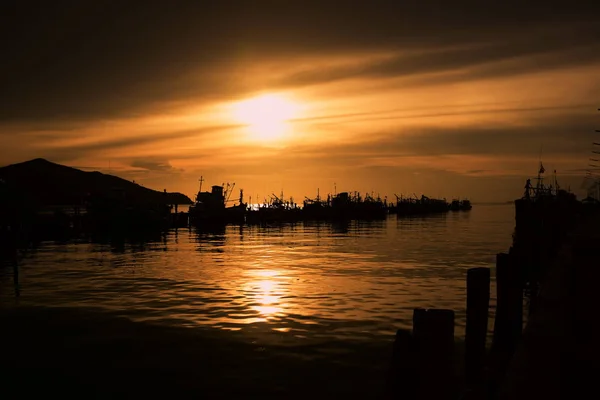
(267, 117)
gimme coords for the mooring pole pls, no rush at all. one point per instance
(478, 302)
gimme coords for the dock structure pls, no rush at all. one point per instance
(557, 353)
(544, 332)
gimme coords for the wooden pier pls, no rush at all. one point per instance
(557, 356)
(546, 359)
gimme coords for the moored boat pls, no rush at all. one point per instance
(454, 205)
(406, 206)
(210, 207)
(276, 210)
(465, 205)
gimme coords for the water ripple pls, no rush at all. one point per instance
(307, 282)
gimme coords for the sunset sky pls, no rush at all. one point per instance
(443, 98)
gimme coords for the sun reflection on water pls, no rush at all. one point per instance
(304, 281)
(265, 294)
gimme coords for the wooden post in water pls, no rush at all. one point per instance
(402, 374)
(433, 334)
(478, 302)
(508, 324)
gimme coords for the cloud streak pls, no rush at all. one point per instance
(89, 61)
(396, 89)
(69, 151)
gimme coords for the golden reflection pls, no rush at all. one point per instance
(266, 293)
(267, 116)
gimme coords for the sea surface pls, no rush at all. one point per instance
(290, 284)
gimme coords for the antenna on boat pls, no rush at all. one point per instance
(540, 178)
(201, 180)
(229, 191)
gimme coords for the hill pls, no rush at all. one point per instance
(45, 183)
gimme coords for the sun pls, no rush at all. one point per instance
(267, 117)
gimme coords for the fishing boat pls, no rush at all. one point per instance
(275, 210)
(460, 205)
(346, 206)
(316, 209)
(454, 205)
(543, 216)
(465, 205)
(210, 207)
(406, 206)
(544, 202)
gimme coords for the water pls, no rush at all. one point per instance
(293, 283)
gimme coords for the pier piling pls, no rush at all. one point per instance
(478, 301)
(433, 334)
(508, 324)
(402, 377)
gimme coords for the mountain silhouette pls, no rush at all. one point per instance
(40, 182)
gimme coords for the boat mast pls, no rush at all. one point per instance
(228, 192)
(540, 180)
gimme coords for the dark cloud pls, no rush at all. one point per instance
(72, 152)
(474, 62)
(449, 111)
(564, 134)
(78, 60)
